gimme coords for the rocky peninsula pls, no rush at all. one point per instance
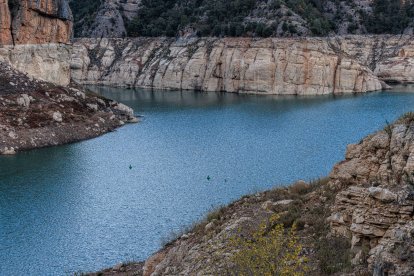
(36, 114)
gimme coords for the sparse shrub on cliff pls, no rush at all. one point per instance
(406, 118)
(292, 214)
(84, 13)
(215, 213)
(334, 255)
(300, 188)
(271, 250)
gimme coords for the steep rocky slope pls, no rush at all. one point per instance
(375, 205)
(306, 66)
(99, 18)
(36, 114)
(358, 221)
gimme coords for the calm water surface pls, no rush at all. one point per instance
(81, 208)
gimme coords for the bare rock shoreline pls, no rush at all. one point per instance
(35, 114)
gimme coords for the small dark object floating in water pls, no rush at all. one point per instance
(208, 178)
(130, 167)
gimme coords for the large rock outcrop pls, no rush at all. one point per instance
(35, 22)
(35, 37)
(345, 64)
(48, 62)
(375, 203)
(264, 66)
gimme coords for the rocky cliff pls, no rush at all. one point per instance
(35, 37)
(47, 62)
(35, 22)
(262, 66)
(375, 204)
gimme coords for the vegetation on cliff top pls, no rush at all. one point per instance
(84, 13)
(255, 18)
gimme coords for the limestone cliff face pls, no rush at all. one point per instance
(264, 66)
(35, 22)
(33, 38)
(375, 205)
(48, 62)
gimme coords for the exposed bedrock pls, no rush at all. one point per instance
(375, 203)
(35, 38)
(244, 65)
(48, 62)
(35, 22)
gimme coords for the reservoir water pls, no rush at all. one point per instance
(90, 205)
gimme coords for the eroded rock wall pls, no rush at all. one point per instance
(35, 22)
(375, 203)
(35, 37)
(48, 62)
(242, 65)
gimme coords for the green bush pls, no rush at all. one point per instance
(270, 251)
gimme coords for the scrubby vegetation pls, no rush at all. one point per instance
(227, 18)
(84, 13)
(269, 251)
(390, 16)
(264, 18)
(257, 18)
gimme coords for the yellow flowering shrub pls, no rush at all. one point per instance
(269, 251)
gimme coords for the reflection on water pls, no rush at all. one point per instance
(81, 207)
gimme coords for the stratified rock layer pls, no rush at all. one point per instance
(48, 62)
(265, 66)
(375, 203)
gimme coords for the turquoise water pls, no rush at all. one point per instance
(81, 208)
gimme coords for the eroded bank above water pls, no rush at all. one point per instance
(304, 66)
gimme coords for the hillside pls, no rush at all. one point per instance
(236, 18)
